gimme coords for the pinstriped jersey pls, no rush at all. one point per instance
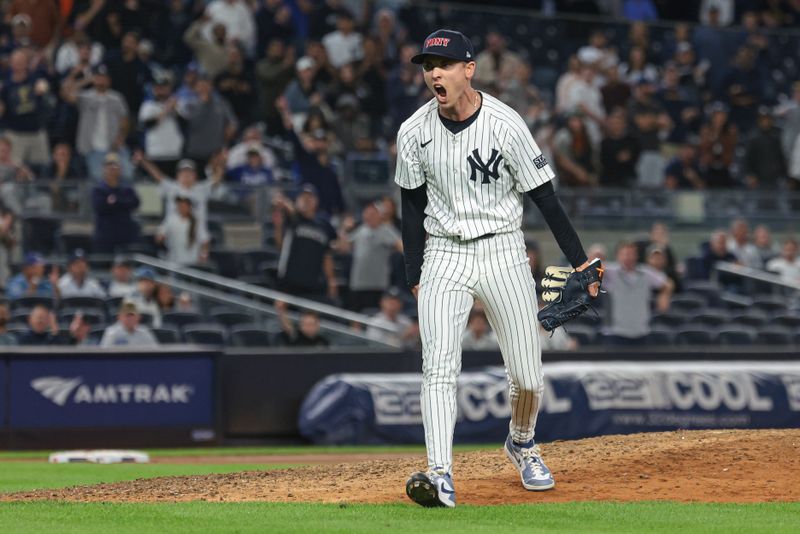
(475, 178)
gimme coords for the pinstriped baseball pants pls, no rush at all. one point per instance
(494, 270)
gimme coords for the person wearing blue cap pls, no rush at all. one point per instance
(31, 281)
(145, 295)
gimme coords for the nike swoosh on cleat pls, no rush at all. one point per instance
(447, 491)
(423, 145)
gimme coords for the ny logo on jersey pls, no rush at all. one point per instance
(490, 169)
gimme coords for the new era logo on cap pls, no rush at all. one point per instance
(446, 43)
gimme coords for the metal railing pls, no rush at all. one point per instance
(756, 279)
(260, 300)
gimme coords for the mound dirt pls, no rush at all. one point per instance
(710, 466)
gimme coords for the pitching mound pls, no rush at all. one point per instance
(714, 466)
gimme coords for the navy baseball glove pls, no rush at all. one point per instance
(567, 292)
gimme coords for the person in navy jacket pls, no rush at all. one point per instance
(113, 204)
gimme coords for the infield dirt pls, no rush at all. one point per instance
(696, 466)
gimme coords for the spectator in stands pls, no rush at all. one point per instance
(725, 11)
(764, 163)
(171, 50)
(711, 47)
(345, 45)
(31, 281)
(307, 331)
(683, 171)
(390, 324)
(42, 328)
(78, 52)
(184, 235)
(302, 93)
(238, 20)
(718, 138)
(649, 125)
(145, 296)
(789, 116)
(656, 259)
(127, 331)
(406, 88)
(273, 22)
(11, 174)
(352, 128)
(630, 287)
(762, 240)
(236, 84)
(65, 165)
(371, 244)
(6, 337)
(584, 96)
(715, 251)
(558, 339)
(478, 335)
(252, 138)
(743, 88)
(787, 265)
(128, 73)
(273, 74)
(159, 117)
(184, 185)
(619, 152)
(572, 149)
(659, 237)
(740, 246)
(165, 298)
(496, 62)
(7, 242)
(211, 51)
(313, 160)
(113, 204)
(122, 284)
(305, 266)
(615, 91)
(77, 282)
(637, 67)
(210, 123)
(25, 102)
(253, 172)
(102, 123)
(680, 103)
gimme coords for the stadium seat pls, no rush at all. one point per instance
(708, 290)
(91, 316)
(694, 337)
(254, 258)
(660, 338)
(231, 318)
(204, 334)
(687, 303)
(167, 335)
(247, 336)
(19, 315)
(752, 318)
(670, 320)
(774, 336)
(145, 319)
(181, 319)
(786, 320)
(741, 336)
(29, 302)
(769, 304)
(709, 318)
(229, 262)
(84, 303)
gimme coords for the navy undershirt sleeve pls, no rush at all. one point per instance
(413, 202)
(556, 218)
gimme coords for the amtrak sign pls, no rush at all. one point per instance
(61, 390)
(115, 391)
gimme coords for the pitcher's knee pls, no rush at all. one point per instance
(528, 386)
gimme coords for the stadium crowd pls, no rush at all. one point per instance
(192, 94)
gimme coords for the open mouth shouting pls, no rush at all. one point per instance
(441, 92)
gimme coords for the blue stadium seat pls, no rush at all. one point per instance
(752, 318)
(769, 304)
(204, 334)
(670, 320)
(29, 302)
(229, 262)
(687, 303)
(167, 335)
(93, 317)
(228, 317)
(774, 336)
(660, 338)
(41, 234)
(736, 337)
(694, 336)
(71, 241)
(84, 303)
(181, 319)
(788, 320)
(709, 318)
(248, 336)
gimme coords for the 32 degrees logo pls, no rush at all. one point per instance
(61, 390)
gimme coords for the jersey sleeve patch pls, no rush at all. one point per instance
(540, 161)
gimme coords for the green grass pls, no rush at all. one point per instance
(20, 476)
(308, 518)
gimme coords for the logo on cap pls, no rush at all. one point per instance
(437, 41)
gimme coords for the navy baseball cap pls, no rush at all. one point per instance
(446, 43)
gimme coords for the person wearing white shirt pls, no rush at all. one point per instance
(740, 246)
(787, 265)
(251, 139)
(344, 45)
(145, 296)
(185, 185)
(122, 284)
(76, 282)
(184, 236)
(238, 20)
(163, 139)
(127, 332)
(390, 324)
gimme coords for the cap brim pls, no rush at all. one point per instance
(419, 58)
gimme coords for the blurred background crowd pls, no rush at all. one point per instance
(163, 127)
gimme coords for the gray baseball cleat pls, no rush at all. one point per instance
(528, 461)
(432, 489)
